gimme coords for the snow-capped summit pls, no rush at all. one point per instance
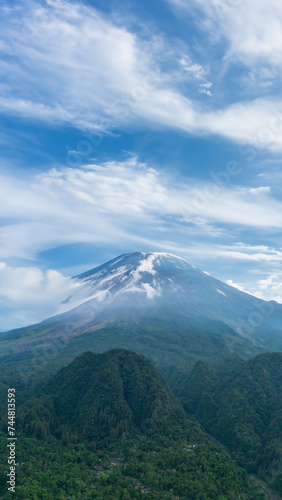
(138, 284)
(159, 305)
(146, 274)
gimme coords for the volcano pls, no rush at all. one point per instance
(158, 305)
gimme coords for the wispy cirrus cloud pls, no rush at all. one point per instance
(252, 30)
(111, 76)
(255, 253)
(103, 202)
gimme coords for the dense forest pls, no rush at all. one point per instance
(108, 427)
(239, 403)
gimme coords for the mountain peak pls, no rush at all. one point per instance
(154, 299)
(155, 255)
(119, 387)
(134, 259)
(143, 273)
(143, 280)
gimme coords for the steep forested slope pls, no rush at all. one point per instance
(239, 402)
(108, 427)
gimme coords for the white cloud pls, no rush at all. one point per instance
(256, 257)
(110, 75)
(256, 122)
(205, 88)
(28, 295)
(196, 70)
(253, 30)
(207, 92)
(73, 66)
(260, 190)
(126, 201)
(255, 253)
(266, 288)
(269, 288)
(236, 285)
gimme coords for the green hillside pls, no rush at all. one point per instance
(239, 402)
(108, 427)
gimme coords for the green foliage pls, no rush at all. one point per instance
(161, 465)
(108, 427)
(239, 402)
(108, 395)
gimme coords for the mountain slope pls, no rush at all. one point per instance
(107, 427)
(155, 304)
(239, 402)
(113, 393)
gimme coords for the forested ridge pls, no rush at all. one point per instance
(108, 427)
(239, 402)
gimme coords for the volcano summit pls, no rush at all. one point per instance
(158, 305)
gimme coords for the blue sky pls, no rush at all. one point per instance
(138, 126)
